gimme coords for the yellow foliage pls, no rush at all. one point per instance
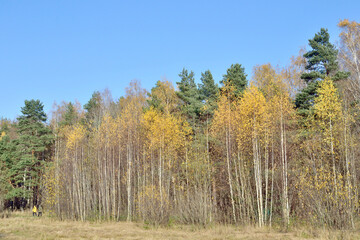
(327, 105)
(317, 195)
(328, 116)
(346, 23)
(165, 93)
(151, 206)
(75, 135)
(108, 130)
(222, 116)
(51, 185)
(164, 131)
(251, 116)
(3, 134)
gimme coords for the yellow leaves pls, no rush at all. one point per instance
(108, 130)
(251, 115)
(327, 104)
(51, 187)
(75, 136)
(317, 189)
(272, 82)
(253, 102)
(163, 130)
(165, 93)
(222, 116)
(328, 116)
(266, 79)
(254, 115)
(346, 23)
(152, 205)
(343, 23)
(3, 134)
(186, 129)
(132, 107)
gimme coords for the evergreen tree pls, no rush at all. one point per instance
(8, 156)
(70, 115)
(190, 96)
(5, 161)
(93, 109)
(32, 151)
(154, 100)
(209, 92)
(235, 76)
(321, 62)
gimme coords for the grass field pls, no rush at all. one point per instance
(24, 226)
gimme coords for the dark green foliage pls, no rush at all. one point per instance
(70, 115)
(207, 88)
(235, 76)
(7, 152)
(93, 109)
(155, 100)
(33, 148)
(340, 75)
(321, 62)
(189, 95)
(305, 99)
(33, 134)
(209, 92)
(5, 164)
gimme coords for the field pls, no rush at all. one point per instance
(24, 226)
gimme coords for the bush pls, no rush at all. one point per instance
(193, 209)
(151, 207)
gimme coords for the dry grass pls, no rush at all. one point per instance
(24, 226)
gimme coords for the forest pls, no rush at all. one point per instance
(280, 148)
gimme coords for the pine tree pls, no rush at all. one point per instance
(321, 62)
(6, 161)
(209, 92)
(189, 94)
(93, 109)
(33, 150)
(236, 77)
(70, 115)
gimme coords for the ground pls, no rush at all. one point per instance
(24, 226)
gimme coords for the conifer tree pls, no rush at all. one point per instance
(209, 92)
(70, 115)
(189, 94)
(236, 76)
(33, 150)
(93, 109)
(321, 62)
(6, 150)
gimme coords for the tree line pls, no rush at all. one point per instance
(279, 149)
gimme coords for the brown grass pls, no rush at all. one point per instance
(24, 226)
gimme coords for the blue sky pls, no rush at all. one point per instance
(65, 50)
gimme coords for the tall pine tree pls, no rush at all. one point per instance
(7, 150)
(93, 110)
(70, 115)
(189, 95)
(235, 76)
(321, 62)
(209, 92)
(33, 150)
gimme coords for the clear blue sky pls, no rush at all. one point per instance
(65, 50)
